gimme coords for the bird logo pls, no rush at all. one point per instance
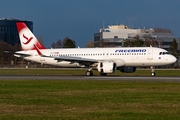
(28, 39)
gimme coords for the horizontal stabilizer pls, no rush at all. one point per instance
(17, 53)
(22, 55)
(8, 52)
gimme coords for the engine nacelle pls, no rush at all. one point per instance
(127, 69)
(106, 67)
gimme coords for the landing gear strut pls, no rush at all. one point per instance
(152, 71)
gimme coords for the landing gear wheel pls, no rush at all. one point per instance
(153, 74)
(152, 71)
(103, 74)
(89, 73)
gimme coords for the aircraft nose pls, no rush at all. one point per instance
(173, 59)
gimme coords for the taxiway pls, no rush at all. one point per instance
(37, 77)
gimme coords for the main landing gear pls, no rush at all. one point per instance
(89, 72)
(152, 71)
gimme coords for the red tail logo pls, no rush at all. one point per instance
(28, 39)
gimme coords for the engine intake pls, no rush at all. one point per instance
(106, 67)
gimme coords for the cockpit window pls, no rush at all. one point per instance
(163, 53)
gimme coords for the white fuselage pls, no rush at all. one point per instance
(131, 56)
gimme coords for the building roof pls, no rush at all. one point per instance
(118, 27)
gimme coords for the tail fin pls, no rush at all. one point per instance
(27, 38)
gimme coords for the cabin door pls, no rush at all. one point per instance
(150, 54)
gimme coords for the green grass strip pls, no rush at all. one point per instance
(89, 100)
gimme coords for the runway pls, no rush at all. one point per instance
(37, 77)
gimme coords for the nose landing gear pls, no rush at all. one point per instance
(152, 71)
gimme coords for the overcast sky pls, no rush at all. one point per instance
(80, 19)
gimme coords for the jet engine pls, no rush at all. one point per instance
(127, 69)
(106, 67)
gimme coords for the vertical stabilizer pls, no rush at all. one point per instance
(27, 38)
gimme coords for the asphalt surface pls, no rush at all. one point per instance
(37, 77)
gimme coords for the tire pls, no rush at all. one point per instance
(153, 74)
(89, 73)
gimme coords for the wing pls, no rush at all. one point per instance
(80, 60)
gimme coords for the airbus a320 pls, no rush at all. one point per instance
(105, 60)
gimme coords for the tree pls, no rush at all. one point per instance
(6, 58)
(128, 43)
(137, 42)
(57, 44)
(53, 45)
(173, 49)
(90, 44)
(150, 41)
(108, 44)
(68, 43)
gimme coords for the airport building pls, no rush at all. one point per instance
(117, 35)
(8, 30)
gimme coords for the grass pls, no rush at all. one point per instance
(81, 72)
(86, 100)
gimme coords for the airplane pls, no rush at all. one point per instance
(105, 60)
